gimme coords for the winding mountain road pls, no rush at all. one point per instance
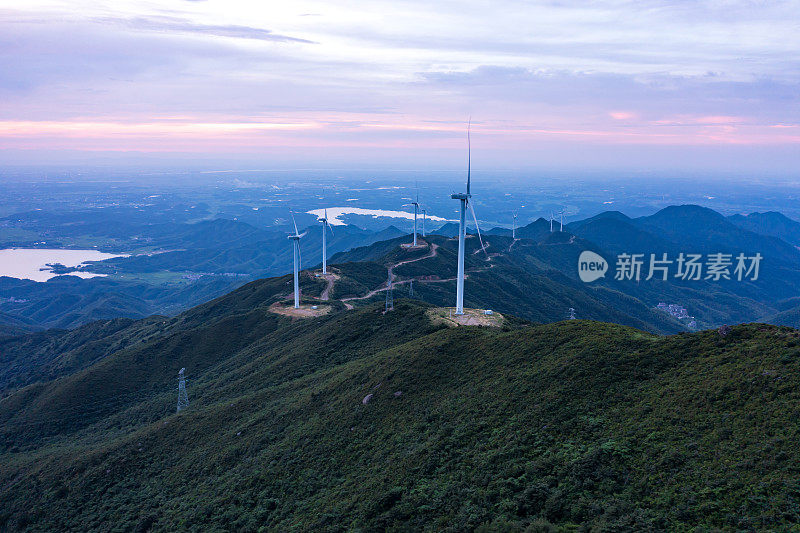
(432, 253)
(332, 278)
(326, 292)
(370, 294)
(429, 255)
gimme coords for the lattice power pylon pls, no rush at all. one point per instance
(389, 294)
(183, 398)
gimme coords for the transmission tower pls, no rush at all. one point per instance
(183, 399)
(572, 313)
(389, 294)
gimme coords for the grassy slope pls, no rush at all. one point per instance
(566, 423)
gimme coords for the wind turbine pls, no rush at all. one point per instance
(415, 203)
(514, 227)
(551, 221)
(462, 229)
(296, 257)
(325, 226)
(562, 219)
(424, 213)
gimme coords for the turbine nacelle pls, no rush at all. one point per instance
(324, 220)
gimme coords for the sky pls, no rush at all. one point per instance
(647, 85)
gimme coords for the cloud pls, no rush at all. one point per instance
(178, 25)
(649, 97)
(393, 76)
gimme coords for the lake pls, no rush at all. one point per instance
(334, 214)
(24, 263)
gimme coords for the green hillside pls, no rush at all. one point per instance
(558, 426)
(527, 281)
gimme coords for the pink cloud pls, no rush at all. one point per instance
(699, 120)
(321, 131)
(622, 115)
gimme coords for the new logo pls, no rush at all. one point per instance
(591, 266)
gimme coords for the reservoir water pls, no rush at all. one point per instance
(25, 263)
(334, 214)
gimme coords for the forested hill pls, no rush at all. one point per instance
(365, 420)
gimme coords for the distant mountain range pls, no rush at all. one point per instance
(535, 278)
(770, 223)
(202, 260)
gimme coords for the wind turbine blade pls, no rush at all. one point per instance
(295, 224)
(477, 227)
(329, 227)
(469, 154)
(302, 234)
(326, 214)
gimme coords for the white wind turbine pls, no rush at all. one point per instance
(415, 203)
(296, 257)
(462, 229)
(325, 227)
(424, 214)
(562, 219)
(551, 221)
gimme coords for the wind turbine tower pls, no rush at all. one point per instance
(424, 214)
(325, 227)
(415, 203)
(562, 219)
(295, 238)
(463, 198)
(551, 222)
